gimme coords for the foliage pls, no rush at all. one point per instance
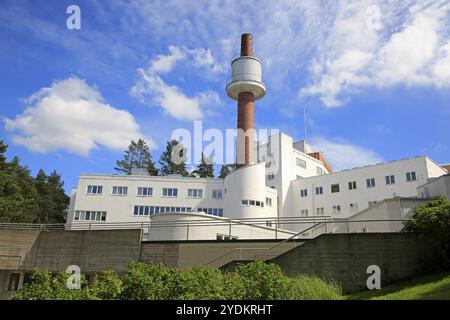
(137, 156)
(308, 287)
(262, 281)
(205, 168)
(173, 159)
(225, 170)
(256, 280)
(147, 282)
(202, 283)
(26, 199)
(432, 220)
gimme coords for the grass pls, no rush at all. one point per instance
(431, 287)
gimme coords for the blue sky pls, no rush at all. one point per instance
(374, 76)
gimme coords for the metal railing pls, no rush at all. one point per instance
(245, 77)
(294, 237)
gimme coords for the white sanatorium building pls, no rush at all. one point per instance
(279, 188)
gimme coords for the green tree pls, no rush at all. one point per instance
(205, 168)
(17, 192)
(173, 159)
(432, 220)
(52, 201)
(3, 149)
(225, 170)
(137, 156)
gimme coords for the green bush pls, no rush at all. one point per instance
(148, 282)
(306, 287)
(256, 280)
(262, 281)
(432, 221)
(105, 286)
(45, 286)
(201, 283)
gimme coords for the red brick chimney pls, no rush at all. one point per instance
(246, 110)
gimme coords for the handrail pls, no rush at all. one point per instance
(245, 77)
(267, 249)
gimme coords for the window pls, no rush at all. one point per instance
(337, 209)
(120, 191)
(195, 193)
(301, 163)
(319, 170)
(222, 237)
(304, 193)
(252, 203)
(320, 211)
(319, 190)
(370, 183)
(334, 188)
(268, 202)
(151, 210)
(270, 176)
(390, 179)
(352, 185)
(145, 192)
(217, 194)
(372, 203)
(212, 211)
(14, 282)
(304, 212)
(170, 192)
(81, 215)
(411, 176)
(94, 189)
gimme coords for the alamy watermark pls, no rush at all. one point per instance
(73, 22)
(374, 280)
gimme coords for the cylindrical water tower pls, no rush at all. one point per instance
(245, 86)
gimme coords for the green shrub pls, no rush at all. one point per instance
(432, 221)
(201, 283)
(256, 280)
(44, 286)
(262, 281)
(148, 282)
(105, 286)
(306, 287)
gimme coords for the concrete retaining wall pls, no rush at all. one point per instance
(345, 257)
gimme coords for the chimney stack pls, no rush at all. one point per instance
(246, 86)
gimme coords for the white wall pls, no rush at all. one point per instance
(248, 183)
(435, 187)
(362, 195)
(120, 208)
(204, 227)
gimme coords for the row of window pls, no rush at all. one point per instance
(148, 192)
(212, 211)
(370, 183)
(336, 209)
(302, 164)
(151, 210)
(252, 203)
(81, 215)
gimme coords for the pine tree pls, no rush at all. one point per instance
(3, 149)
(137, 156)
(173, 159)
(205, 168)
(226, 170)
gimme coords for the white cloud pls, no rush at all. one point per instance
(151, 89)
(355, 56)
(71, 115)
(343, 155)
